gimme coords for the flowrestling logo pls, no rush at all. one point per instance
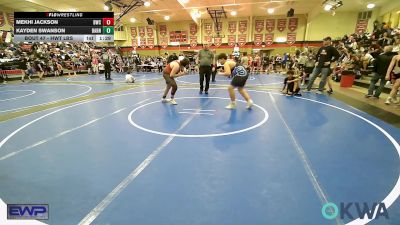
(353, 210)
(27, 211)
(240, 71)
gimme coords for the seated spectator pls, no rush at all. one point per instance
(291, 84)
(129, 78)
(384, 40)
(366, 59)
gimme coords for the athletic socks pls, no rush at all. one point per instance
(249, 104)
(231, 105)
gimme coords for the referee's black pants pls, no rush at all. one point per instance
(205, 72)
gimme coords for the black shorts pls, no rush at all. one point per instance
(395, 76)
(239, 81)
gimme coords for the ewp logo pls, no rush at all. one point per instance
(330, 210)
(28, 211)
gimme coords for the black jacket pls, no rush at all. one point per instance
(327, 54)
(382, 62)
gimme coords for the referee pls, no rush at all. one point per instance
(107, 65)
(206, 58)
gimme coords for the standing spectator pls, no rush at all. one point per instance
(257, 63)
(278, 63)
(89, 65)
(29, 69)
(285, 60)
(244, 61)
(59, 70)
(236, 53)
(395, 68)
(325, 56)
(302, 60)
(265, 63)
(39, 69)
(381, 65)
(271, 64)
(120, 65)
(95, 64)
(160, 65)
(75, 65)
(308, 67)
(206, 58)
(137, 63)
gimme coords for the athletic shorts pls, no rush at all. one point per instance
(239, 81)
(168, 79)
(395, 76)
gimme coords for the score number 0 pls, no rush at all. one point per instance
(108, 25)
(108, 21)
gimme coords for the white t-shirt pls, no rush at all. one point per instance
(396, 48)
(129, 78)
(367, 57)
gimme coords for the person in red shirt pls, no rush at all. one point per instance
(173, 69)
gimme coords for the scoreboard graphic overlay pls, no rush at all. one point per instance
(64, 26)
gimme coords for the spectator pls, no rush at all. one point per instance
(244, 61)
(381, 65)
(291, 84)
(325, 56)
(395, 68)
(366, 59)
(384, 40)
